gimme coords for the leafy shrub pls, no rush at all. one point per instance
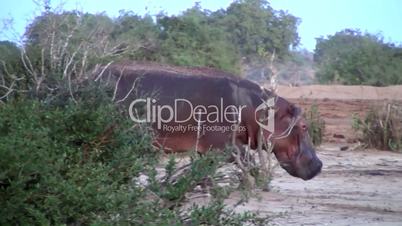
(200, 168)
(381, 128)
(216, 214)
(316, 124)
(67, 165)
(74, 164)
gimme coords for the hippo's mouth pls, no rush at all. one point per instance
(288, 167)
(305, 173)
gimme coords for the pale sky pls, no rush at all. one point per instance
(318, 17)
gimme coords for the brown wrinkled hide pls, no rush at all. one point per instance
(200, 86)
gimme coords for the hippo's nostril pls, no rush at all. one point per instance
(313, 170)
(319, 165)
(315, 164)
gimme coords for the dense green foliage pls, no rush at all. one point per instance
(352, 58)
(10, 54)
(11, 68)
(67, 165)
(239, 39)
(254, 26)
(192, 39)
(60, 48)
(76, 164)
(196, 37)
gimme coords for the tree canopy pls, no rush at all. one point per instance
(196, 37)
(352, 57)
(192, 39)
(253, 25)
(238, 39)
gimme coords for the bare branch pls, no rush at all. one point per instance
(273, 82)
(43, 62)
(51, 50)
(117, 84)
(65, 71)
(70, 87)
(197, 142)
(6, 71)
(9, 90)
(103, 70)
(67, 41)
(83, 65)
(27, 64)
(129, 92)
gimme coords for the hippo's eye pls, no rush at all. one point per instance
(304, 127)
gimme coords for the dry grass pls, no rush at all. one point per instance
(316, 124)
(381, 128)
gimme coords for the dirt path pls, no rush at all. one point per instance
(355, 188)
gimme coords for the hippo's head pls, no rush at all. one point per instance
(292, 144)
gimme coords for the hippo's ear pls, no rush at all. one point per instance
(294, 110)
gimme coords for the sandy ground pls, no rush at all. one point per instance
(354, 188)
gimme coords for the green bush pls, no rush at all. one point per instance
(200, 168)
(316, 124)
(74, 164)
(216, 214)
(381, 128)
(67, 165)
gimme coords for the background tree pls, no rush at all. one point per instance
(59, 48)
(141, 31)
(353, 58)
(191, 39)
(253, 25)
